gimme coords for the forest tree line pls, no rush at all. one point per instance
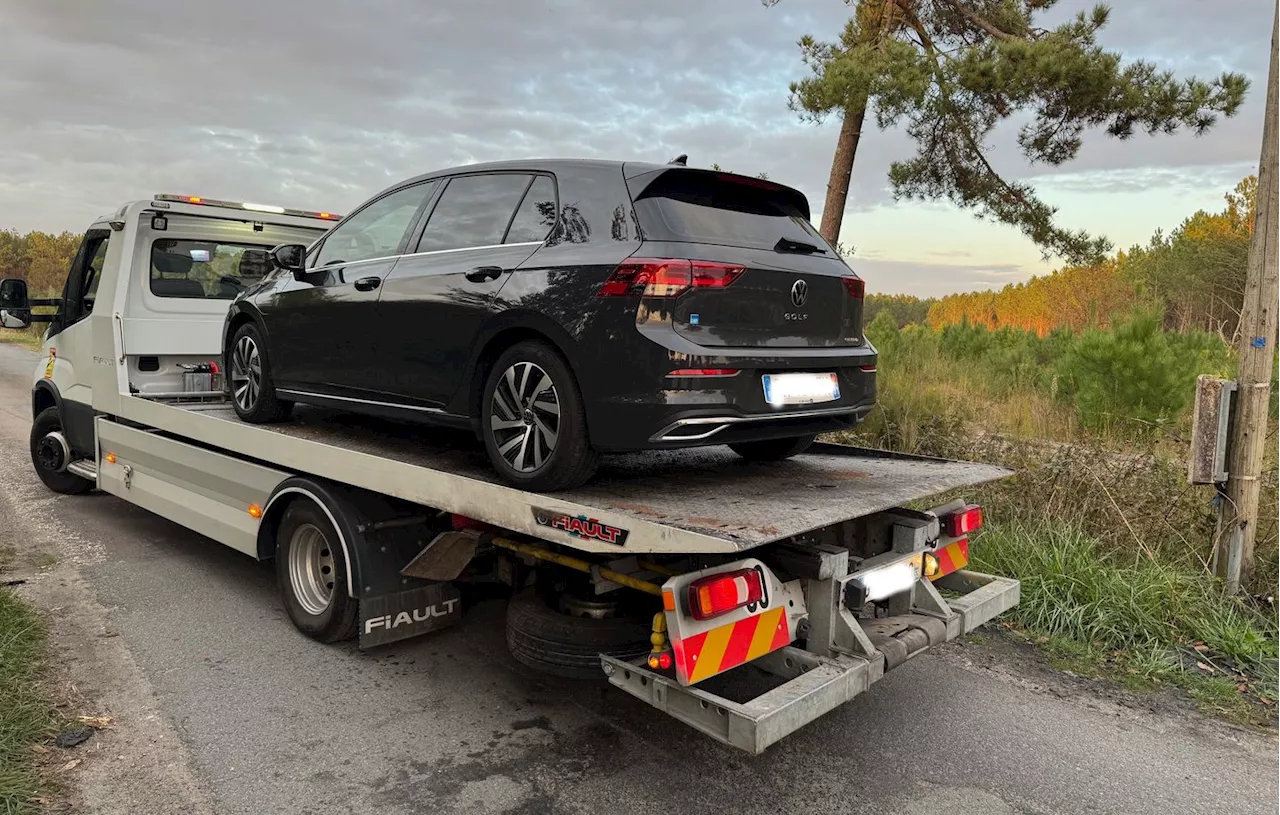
(1194, 276)
(40, 258)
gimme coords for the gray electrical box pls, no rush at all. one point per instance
(1207, 463)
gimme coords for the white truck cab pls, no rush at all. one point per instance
(118, 332)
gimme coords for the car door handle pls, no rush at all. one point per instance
(482, 273)
(368, 283)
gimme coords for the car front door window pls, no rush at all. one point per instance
(375, 231)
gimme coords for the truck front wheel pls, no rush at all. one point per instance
(50, 455)
(311, 569)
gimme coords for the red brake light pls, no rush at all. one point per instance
(715, 275)
(667, 277)
(963, 521)
(855, 286)
(704, 372)
(720, 593)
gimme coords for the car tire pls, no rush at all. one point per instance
(253, 393)
(311, 571)
(47, 461)
(534, 422)
(773, 449)
(548, 641)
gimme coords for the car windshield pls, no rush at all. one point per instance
(206, 269)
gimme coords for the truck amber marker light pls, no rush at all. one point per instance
(268, 208)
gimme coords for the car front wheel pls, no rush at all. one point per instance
(253, 394)
(534, 422)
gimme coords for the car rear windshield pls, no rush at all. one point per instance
(206, 269)
(708, 207)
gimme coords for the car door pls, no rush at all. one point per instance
(321, 329)
(480, 228)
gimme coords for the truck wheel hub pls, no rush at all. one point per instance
(52, 452)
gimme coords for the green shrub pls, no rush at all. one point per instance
(1135, 376)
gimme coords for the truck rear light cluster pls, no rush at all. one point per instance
(721, 593)
(963, 521)
(667, 277)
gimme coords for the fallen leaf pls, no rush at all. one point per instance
(70, 765)
(96, 722)
(1205, 667)
(1200, 646)
(40, 748)
(1242, 687)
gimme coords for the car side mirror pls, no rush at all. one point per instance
(15, 303)
(291, 257)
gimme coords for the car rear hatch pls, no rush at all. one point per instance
(787, 288)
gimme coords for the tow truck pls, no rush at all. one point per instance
(674, 575)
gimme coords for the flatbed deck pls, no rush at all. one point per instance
(700, 500)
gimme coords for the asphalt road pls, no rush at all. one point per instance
(268, 721)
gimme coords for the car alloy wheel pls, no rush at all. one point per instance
(524, 417)
(246, 373)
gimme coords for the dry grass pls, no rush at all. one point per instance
(27, 717)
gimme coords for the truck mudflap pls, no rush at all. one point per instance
(843, 655)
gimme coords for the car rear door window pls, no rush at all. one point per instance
(537, 213)
(375, 231)
(474, 210)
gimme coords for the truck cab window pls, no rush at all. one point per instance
(206, 270)
(82, 281)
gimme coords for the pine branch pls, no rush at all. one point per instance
(980, 22)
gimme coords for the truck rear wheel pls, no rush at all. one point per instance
(311, 569)
(553, 642)
(50, 455)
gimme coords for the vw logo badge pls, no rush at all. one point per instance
(799, 293)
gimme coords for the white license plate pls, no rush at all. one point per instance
(800, 389)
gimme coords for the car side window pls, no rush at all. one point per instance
(474, 210)
(376, 230)
(537, 213)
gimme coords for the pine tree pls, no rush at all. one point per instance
(952, 70)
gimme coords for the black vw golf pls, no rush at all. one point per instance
(565, 308)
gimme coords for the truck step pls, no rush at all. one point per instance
(85, 469)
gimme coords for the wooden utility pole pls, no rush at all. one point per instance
(1233, 557)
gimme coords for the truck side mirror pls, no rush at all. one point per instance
(291, 257)
(15, 304)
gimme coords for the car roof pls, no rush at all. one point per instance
(630, 168)
(547, 164)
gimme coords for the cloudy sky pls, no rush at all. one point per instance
(318, 104)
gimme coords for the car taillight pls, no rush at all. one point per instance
(854, 286)
(720, 593)
(667, 277)
(963, 521)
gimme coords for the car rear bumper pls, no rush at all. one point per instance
(722, 427)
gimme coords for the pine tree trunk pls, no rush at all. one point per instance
(842, 172)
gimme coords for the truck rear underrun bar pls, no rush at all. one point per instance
(824, 674)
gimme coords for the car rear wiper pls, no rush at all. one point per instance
(799, 247)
